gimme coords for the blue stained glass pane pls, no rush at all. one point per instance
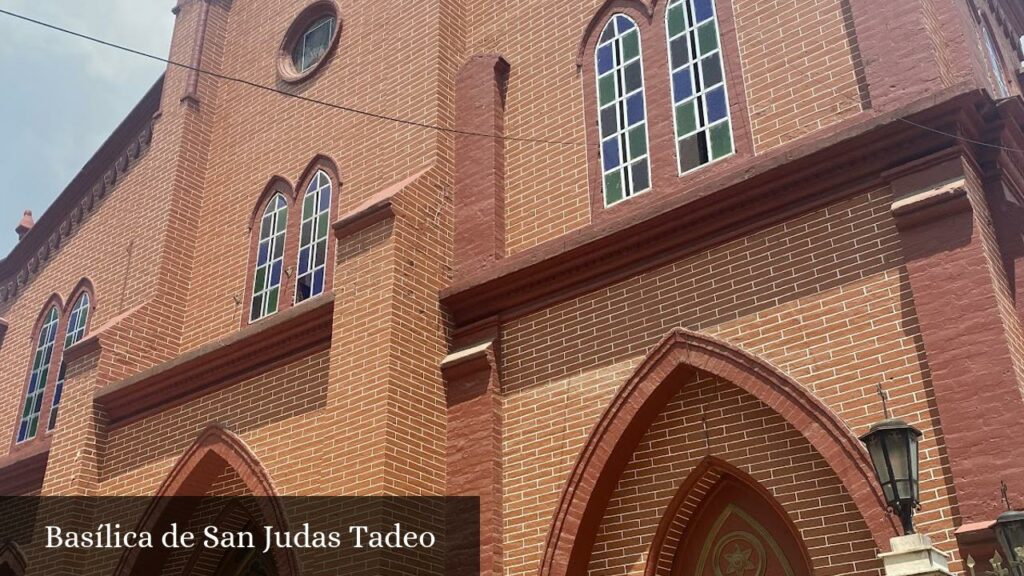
(318, 281)
(682, 85)
(716, 104)
(605, 59)
(262, 258)
(39, 404)
(279, 201)
(32, 383)
(57, 393)
(325, 199)
(635, 108)
(624, 23)
(275, 273)
(610, 154)
(22, 430)
(304, 260)
(703, 9)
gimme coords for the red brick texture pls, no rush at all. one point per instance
(738, 322)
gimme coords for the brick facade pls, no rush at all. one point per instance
(488, 327)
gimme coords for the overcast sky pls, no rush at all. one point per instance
(62, 96)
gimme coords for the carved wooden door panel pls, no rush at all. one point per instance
(738, 532)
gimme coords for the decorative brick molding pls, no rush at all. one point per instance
(12, 559)
(473, 393)
(665, 547)
(22, 472)
(116, 157)
(637, 403)
(215, 450)
(299, 331)
(661, 228)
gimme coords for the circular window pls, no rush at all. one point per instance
(309, 41)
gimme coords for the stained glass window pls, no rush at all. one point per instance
(313, 43)
(77, 323)
(29, 424)
(699, 97)
(266, 288)
(622, 111)
(316, 209)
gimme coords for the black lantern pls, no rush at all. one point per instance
(1010, 532)
(892, 445)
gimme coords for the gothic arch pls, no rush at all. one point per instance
(12, 560)
(686, 504)
(319, 162)
(644, 9)
(618, 431)
(193, 475)
(276, 185)
(83, 286)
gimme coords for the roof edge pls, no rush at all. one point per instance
(124, 145)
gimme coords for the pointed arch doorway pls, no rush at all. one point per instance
(721, 522)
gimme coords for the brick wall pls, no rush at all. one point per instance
(823, 297)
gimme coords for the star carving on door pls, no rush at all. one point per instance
(738, 560)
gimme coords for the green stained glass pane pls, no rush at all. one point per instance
(307, 205)
(638, 141)
(676, 20)
(630, 46)
(707, 35)
(261, 277)
(307, 231)
(272, 300)
(38, 360)
(321, 228)
(612, 187)
(606, 89)
(686, 119)
(282, 221)
(42, 377)
(28, 407)
(721, 140)
(32, 428)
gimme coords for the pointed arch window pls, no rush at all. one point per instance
(622, 110)
(316, 210)
(700, 99)
(78, 321)
(266, 289)
(29, 424)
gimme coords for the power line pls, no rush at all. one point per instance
(383, 116)
(281, 92)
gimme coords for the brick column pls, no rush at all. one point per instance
(480, 164)
(970, 331)
(474, 441)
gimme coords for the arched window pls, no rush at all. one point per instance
(622, 110)
(266, 288)
(699, 97)
(78, 321)
(316, 209)
(29, 424)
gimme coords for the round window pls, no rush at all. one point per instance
(309, 41)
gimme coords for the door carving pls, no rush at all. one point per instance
(736, 531)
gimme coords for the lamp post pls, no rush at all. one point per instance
(1010, 533)
(893, 447)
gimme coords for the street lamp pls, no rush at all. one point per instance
(892, 445)
(1010, 533)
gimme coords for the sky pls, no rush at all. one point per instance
(61, 96)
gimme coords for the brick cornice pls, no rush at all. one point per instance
(22, 472)
(267, 344)
(100, 175)
(662, 228)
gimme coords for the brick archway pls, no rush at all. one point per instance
(668, 540)
(668, 366)
(12, 560)
(215, 450)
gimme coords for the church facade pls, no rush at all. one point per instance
(637, 273)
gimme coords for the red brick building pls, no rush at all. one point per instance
(633, 271)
